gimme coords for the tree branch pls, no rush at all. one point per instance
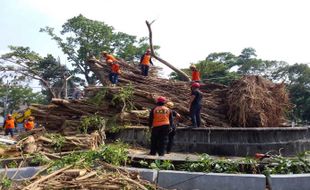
(183, 75)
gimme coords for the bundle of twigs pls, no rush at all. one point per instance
(105, 176)
(256, 102)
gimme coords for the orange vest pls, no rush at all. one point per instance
(161, 116)
(110, 57)
(115, 68)
(9, 124)
(29, 125)
(146, 59)
(195, 76)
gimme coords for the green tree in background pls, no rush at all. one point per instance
(82, 37)
(17, 95)
(23, 65)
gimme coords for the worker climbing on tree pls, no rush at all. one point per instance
(29, 124)
(115, 68)
(172, 131)
(145, 61)
(9, 125)
(195, 104)
(195, 73)
(160, 121)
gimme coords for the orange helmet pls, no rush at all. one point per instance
(161, 99)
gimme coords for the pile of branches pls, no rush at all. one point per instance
(256, 102)
(53, 143)
(105, 176)
(147, 89)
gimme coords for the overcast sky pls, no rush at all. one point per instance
(187, 31)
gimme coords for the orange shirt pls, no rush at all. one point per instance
(161, 116)
(146, 59)
(29, 125)
(9, 124)
(110, 57)
(115, 68)
(195, 75)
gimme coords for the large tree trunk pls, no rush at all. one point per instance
(183, 75)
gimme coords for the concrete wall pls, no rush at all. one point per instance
(289, 182)
(230, 141)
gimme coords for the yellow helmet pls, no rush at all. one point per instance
(170, 104)
(192, 66)
(104, 52)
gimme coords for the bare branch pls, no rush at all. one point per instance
(179, 72)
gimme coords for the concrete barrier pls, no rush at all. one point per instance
(147, 174)
(21, 173)
(230, 141)
(211, 181)
(289, 182)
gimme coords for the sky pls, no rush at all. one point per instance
(187, 31)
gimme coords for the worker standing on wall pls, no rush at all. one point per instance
(195, 104)
(172, 131)
(160, 121)
(29, 124)
(9, 125)
(195, 73)
(145, 62)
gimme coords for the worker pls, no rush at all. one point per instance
(145, 61)
(29, 124)
(108, 57)
(9, 125)
(195, 104)
(115, 68)
(195, 73)
(160, 121)
(172, 131)
(115, 71)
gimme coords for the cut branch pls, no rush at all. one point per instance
(183, 75)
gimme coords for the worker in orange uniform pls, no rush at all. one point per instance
(9, 125)
(195, 74)
(160, 121)
(145, 61)
(172, 131)
(195, 104)
(115, 68)
(108, 57)
(29, 124)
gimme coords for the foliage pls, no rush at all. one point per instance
(22, 64)
(124, 96)
(98, 99)
(57, 140)
(112, 125)
(82, 37)
(39, 159)
(12, 164)
(6, 183)
(94, 121)
(115, 154)
(162, 165)
(17, 95)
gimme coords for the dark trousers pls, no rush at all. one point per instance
(8, 131)
(113, 78)
(145, 70)
(159, 140)
(170, 140)
(195, 116)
